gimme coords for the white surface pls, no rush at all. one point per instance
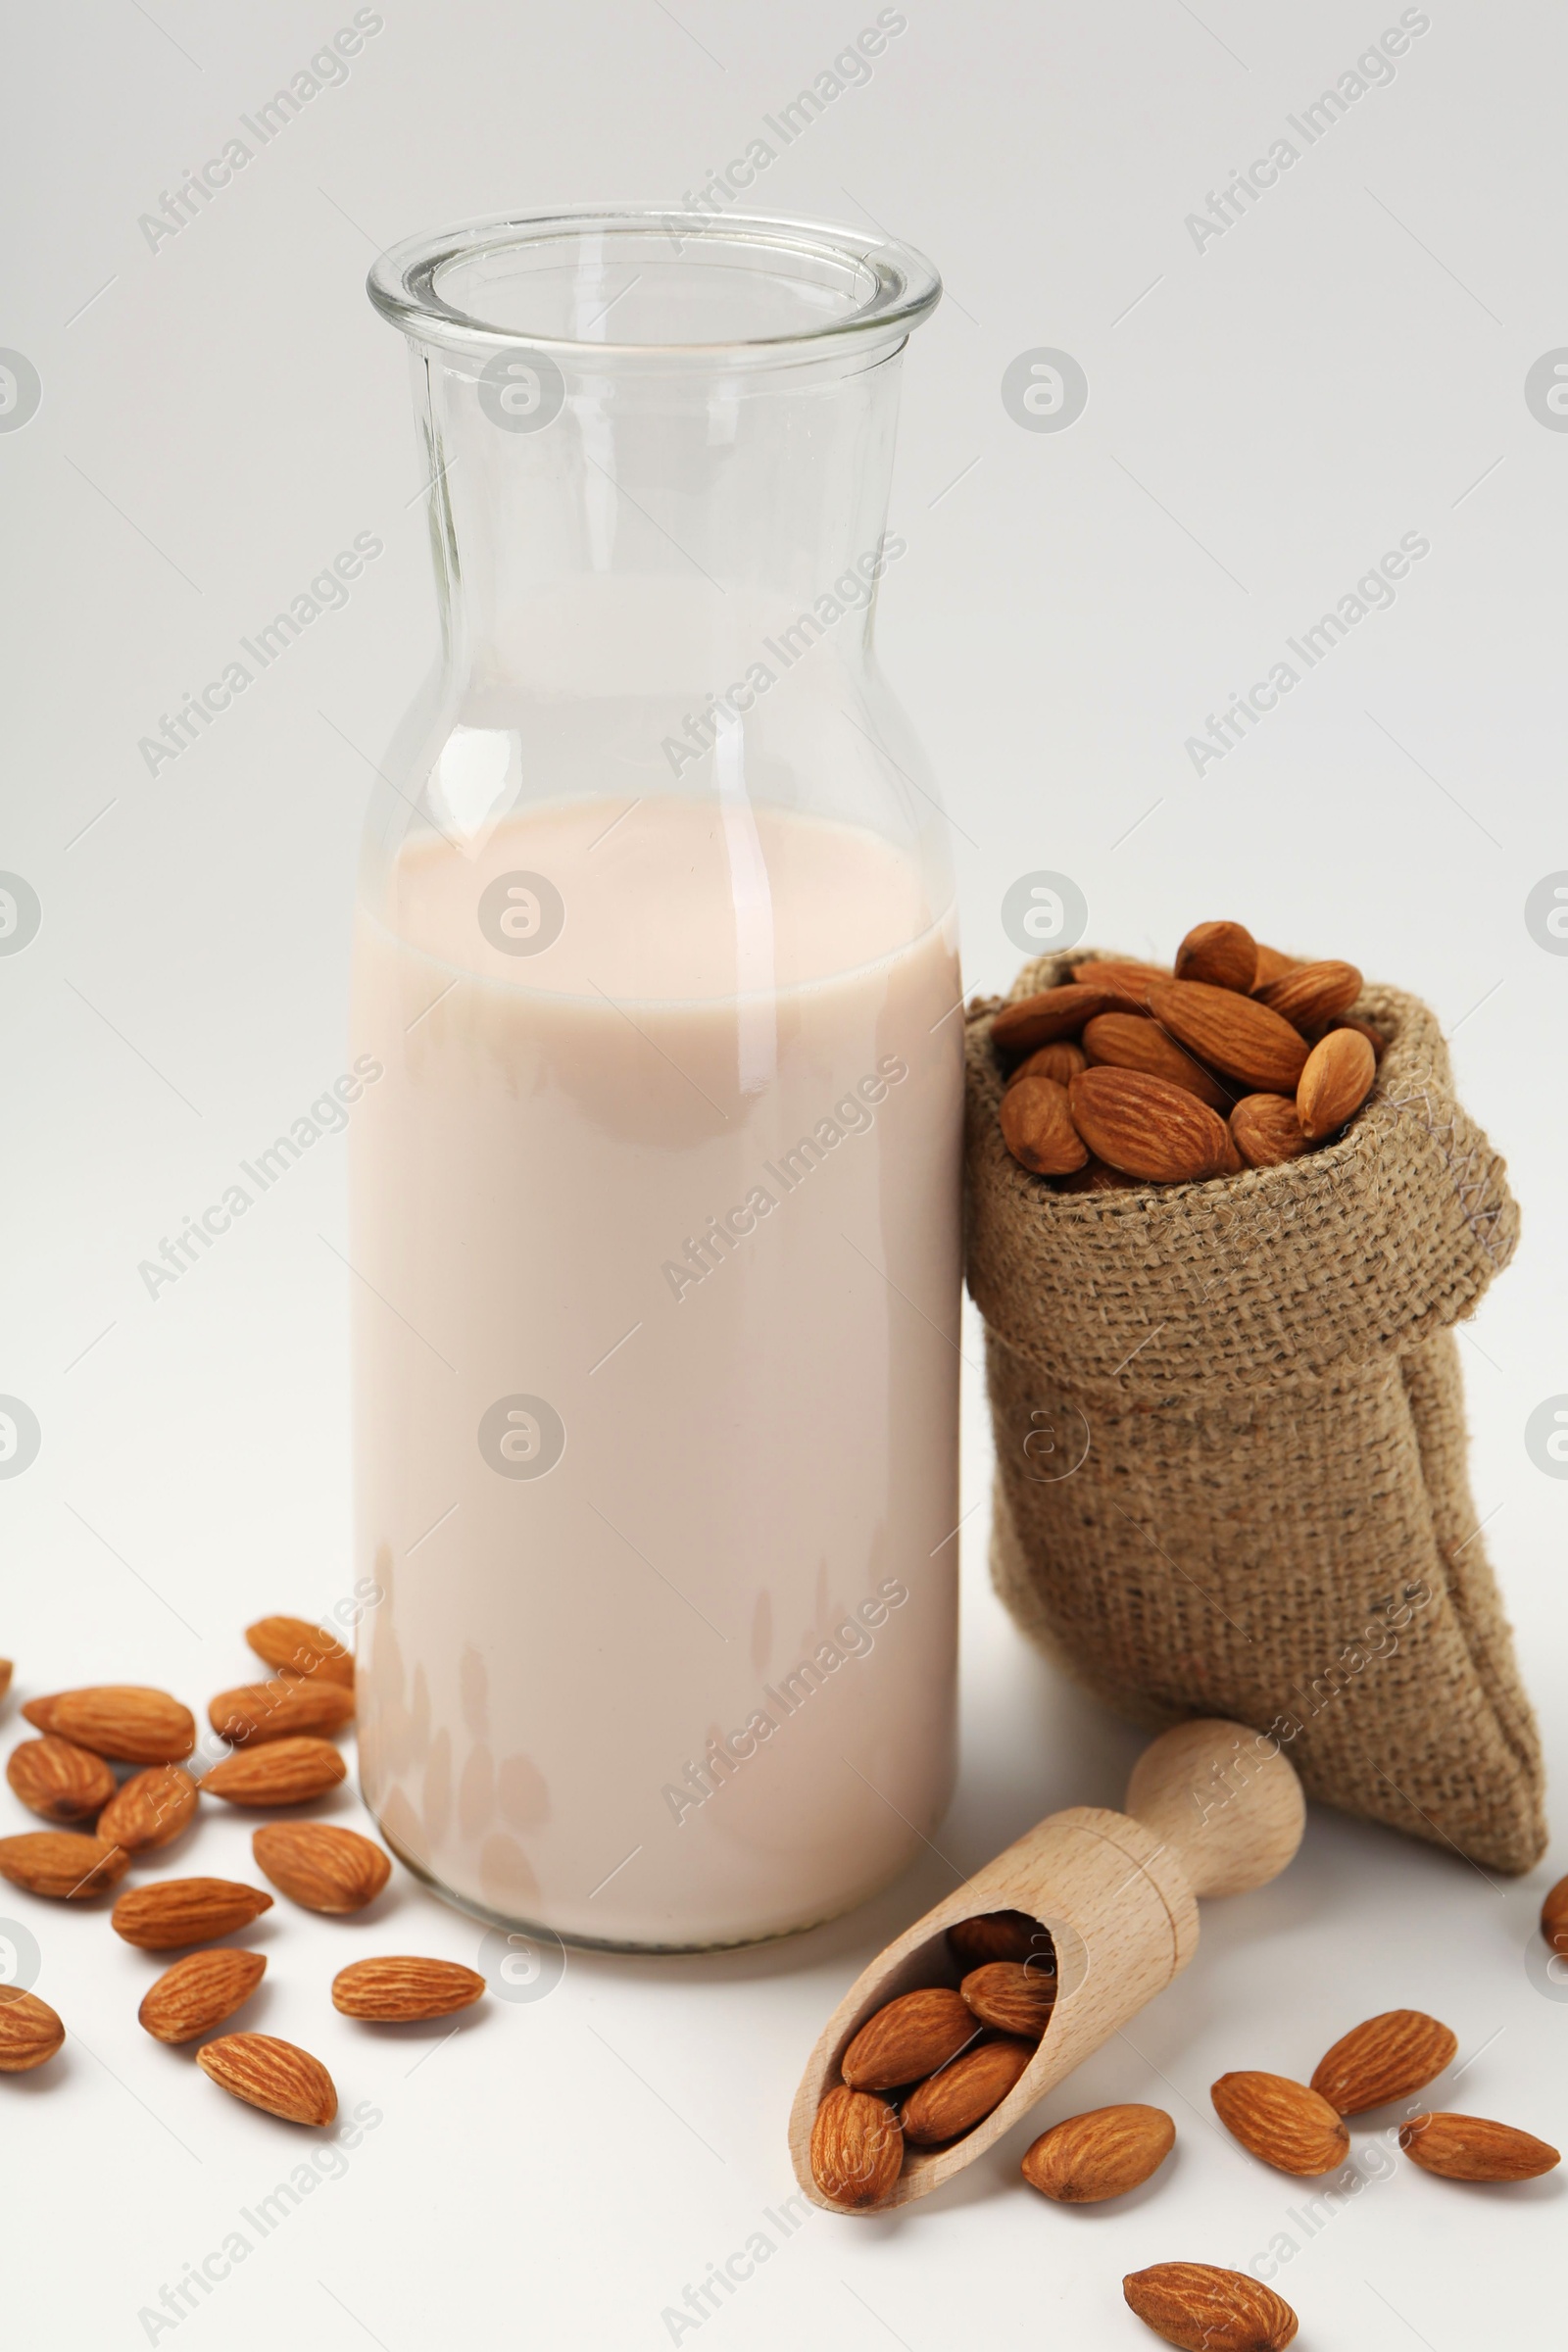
(1341, 367)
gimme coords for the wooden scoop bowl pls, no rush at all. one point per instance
(1213, 1808)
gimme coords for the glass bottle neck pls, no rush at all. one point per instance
(677, 531)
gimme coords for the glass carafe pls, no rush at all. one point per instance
(655, 1171)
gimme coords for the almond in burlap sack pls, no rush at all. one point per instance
(1230, 1437)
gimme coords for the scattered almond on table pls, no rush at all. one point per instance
(296, 1646)
(65, 1775)
(1386, 2058)
(280, 1772)
(1202, 2309)
(280, 1709)
(1283, 2123)
(65, 1864)
(1469, 2147)
(29, 2032)
(276, 2075)
(59, 1780)
(169, 1911)
(1103, 2154)
(124, 1721)
(1128, 1073)
(399, 1989)
(319, 1867)
(199, 1991)
(151, 1809)
(1554, 1917)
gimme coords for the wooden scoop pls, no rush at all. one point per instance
(1213, 1808)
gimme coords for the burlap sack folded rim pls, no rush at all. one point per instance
(1358, 1250)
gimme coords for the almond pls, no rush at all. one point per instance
(1102, 2155)
(1312, 994)
(7, 1669)
(1272, 964)
(1283, 2123)
(1239, 1035)
(1338, 1078)
(1383, 2059)
(1146, 1127)
(1038, 1130)
(1206, 2310)
(1096, 1177)
(1267, 1129)
(59, 1780)
(199, 1991)
(1131, 1041)
(908, 2040)
(1128, 981)
(321, 1868)
(297, 1646)
(280, 1709)
(1373, 1035)
(1035, 1021)
(150, 1810)
(123, 1720)
(964, 2092)
(394, 1991)
(173, 1911)
(1004, 1936)
(1061, 1061)
(273, 2075)
(857, 2148)
(62, 1863)
(29, 2032)
(1467, 2147)
(280, 1772)
(1012, 1996)
(1225, 955)
(1554, 1917)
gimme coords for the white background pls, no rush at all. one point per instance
(1265, 416)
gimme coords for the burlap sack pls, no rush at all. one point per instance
(1230, 1437)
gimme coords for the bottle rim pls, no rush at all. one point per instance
(896, 286)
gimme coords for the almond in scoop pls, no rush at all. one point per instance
(964, 2092)
(1010, 1997)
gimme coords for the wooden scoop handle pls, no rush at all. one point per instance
(1225, 1801)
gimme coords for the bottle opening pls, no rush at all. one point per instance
(641, 280)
